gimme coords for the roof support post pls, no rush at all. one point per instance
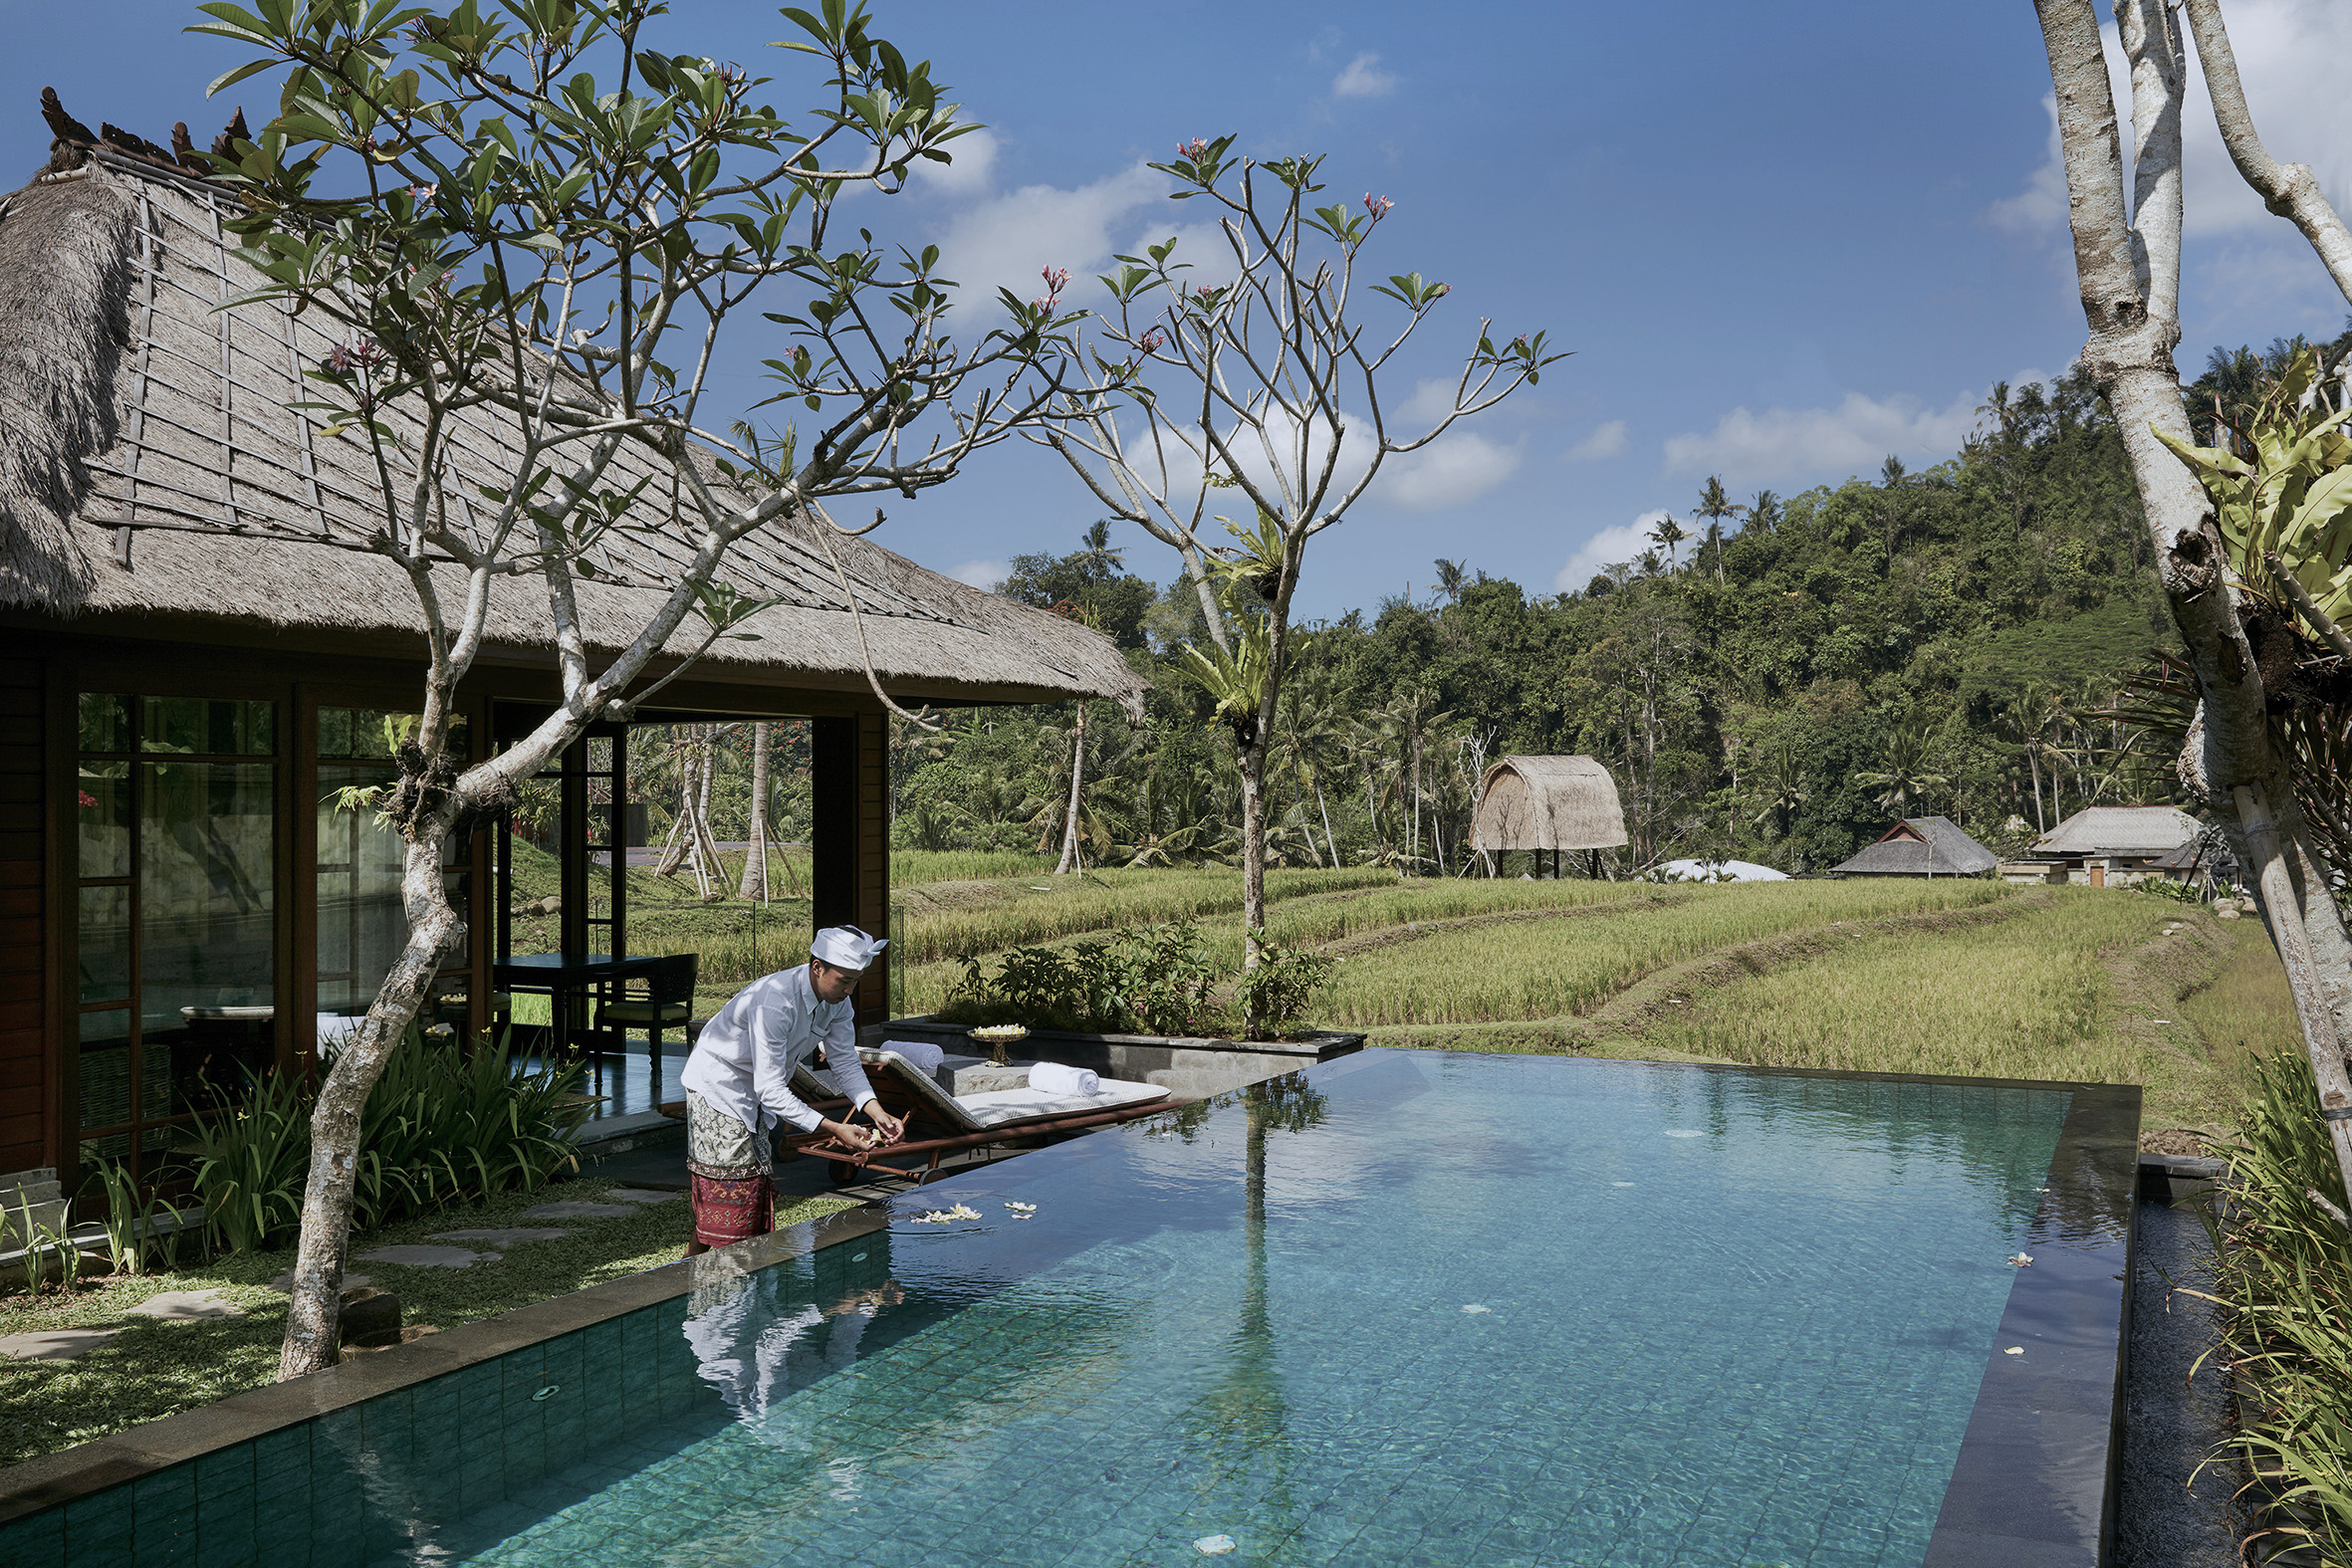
(850, 840)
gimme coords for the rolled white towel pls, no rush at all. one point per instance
(921, 1055)
(1051, 1078)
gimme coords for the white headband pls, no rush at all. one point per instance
(847, 947)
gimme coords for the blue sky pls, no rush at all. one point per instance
(1783, 242)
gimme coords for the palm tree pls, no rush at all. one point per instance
(1782, 775)
(1715, 505)
(1763, 513)
(1449, 580)
(2028, 721)
(1904, 782)
(1670, 534)
(1893, 480)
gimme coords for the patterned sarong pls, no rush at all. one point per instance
(734, 1192)
(727, 1211)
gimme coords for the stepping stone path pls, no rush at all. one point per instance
(55, 1344)
(498, 1237)
(574, 1208)
(427, 1257)
(284, 1284)
(639, 1194)
(182, 1306)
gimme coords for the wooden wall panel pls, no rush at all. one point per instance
(28, 1080)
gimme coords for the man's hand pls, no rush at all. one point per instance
(889, 1127)
(849, 1135)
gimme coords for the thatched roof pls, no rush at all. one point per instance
(2130, 831)
(150, 467)
(1548, 803)
(1922, 846)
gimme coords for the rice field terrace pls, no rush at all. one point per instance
(1961, 976)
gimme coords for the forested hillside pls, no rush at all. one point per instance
(1773, 680)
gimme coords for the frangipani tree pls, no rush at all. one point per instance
(2127, 259)
(1256, 373)
(530, 225)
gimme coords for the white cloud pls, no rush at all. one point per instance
(1004, 241)
(2039, 208)
(1625, 542)
(1607, 441)
(1780, 445)
(1448, 472)
(2287, 55)
(987, 576)
(1363, 77)
(971, 174)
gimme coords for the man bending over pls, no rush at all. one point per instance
(738, 1084)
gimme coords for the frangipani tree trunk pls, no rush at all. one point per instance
(2128, 262)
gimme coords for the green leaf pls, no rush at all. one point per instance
(233, 78)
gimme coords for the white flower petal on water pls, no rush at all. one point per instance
(2021, 1260)
(1620, 1183)
(1215, 1545)
(2014, 1350)
(1473, 1307)
(1684, 1132)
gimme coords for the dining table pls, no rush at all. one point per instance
(569, 978)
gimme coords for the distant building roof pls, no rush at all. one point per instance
(1922, 846)
(2136, 831)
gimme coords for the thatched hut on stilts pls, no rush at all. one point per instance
(1549, 803)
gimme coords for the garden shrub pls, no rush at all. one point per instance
(1153, 980)
(1285, 983)
(444, 1125)
(2284, 1266)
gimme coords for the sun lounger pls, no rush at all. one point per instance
(938, 1123)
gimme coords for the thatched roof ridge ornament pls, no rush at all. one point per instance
(131, 407)
(1548, 803)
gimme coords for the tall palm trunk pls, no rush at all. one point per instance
(1071, 860)
(755, 861)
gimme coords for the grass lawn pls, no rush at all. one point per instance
(153, 1369)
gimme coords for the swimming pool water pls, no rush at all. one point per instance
(1414, 1308)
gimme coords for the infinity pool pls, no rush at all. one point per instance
(1406, 1307)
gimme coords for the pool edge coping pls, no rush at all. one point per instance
(2051, 1469)
(54, 1479)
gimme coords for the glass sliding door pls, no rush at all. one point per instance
(177, 922)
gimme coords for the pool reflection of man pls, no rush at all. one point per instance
(738, 1084)
(757, 1352)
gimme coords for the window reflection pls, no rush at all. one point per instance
(102, 813)
(362, 924)
(207, 936)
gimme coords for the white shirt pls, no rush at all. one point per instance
(744, 1061)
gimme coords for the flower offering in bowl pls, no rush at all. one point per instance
(996, 1037)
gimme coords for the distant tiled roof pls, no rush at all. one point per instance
(2120, 831)
(1922, 846)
